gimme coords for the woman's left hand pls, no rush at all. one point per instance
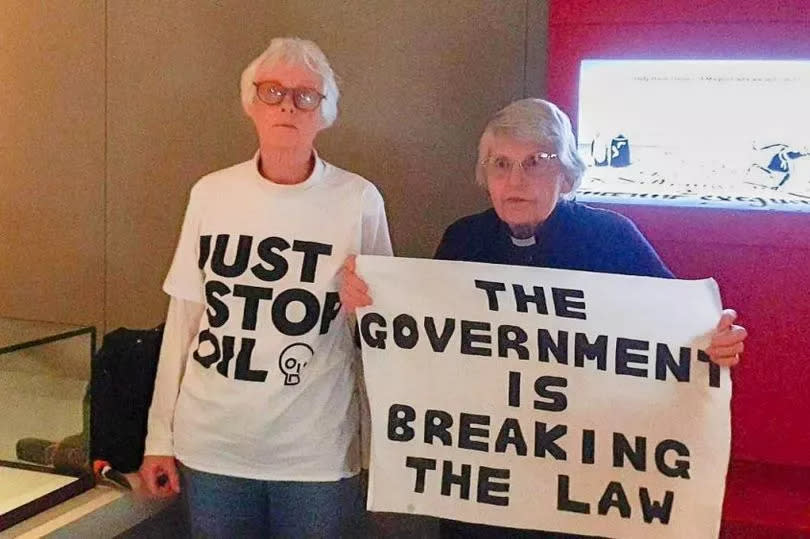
(727, 342)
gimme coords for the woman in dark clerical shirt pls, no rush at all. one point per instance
(528, 162)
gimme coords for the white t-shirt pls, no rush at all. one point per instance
(269, 385)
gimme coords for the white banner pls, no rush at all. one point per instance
(544, 399)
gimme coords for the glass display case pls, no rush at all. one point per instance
(44, 402)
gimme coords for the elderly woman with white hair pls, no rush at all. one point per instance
(527, 161)
(255, 410)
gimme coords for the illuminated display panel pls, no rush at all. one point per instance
(719, 133)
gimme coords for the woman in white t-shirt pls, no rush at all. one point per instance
(255, 410)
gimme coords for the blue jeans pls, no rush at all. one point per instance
(225, 506)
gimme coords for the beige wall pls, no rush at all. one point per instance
(52, 160)
(419, 79)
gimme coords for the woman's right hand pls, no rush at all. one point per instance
(159, 474)
(353, 290)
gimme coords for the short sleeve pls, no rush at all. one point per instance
(375, 240)
(185, 279)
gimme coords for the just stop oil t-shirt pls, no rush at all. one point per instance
(269, 385)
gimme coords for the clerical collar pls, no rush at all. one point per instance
(523, 242)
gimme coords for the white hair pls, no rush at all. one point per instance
(533, 120)
(301, 52)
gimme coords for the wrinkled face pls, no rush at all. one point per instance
(523, 196)
(284, 125)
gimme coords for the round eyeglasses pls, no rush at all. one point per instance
(535, 166)
(272, 93)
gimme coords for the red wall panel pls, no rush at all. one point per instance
(626, 12)
(760, 259)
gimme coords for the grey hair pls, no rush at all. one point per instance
(295, 51)
(534, 120)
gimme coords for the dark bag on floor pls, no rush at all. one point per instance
(121, 385)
